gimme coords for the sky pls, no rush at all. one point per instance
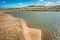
(23, 3)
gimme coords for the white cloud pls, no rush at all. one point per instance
(41, 0)
(49, 4)
(18, 5)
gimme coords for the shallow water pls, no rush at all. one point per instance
(49, 20)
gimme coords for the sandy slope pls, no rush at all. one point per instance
(16, 29)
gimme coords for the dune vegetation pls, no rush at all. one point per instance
(35, 8)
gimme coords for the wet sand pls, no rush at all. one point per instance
(46, 34)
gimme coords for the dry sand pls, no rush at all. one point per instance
(16, 29)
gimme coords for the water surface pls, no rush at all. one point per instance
(45, 20)
(39, 19)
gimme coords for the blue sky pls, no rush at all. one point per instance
(23, 3)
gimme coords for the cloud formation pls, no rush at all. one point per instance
(18, 5)
(41, 2)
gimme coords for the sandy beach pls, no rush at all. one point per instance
(17, 24)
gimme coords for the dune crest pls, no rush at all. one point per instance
(16, 29)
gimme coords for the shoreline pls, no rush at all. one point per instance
(29, 10)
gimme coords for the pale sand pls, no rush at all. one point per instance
(17, 24)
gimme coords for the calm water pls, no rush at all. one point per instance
(50, 20)
(39, 19)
